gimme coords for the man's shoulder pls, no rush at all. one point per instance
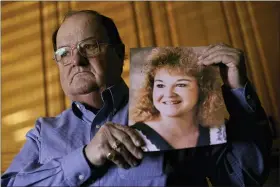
(59, 120)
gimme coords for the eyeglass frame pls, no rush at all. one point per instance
(77, 46)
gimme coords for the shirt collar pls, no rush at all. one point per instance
(118, 95)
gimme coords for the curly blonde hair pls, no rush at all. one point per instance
(178, 59)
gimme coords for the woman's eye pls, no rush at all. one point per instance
(159, 85)
(181, 85)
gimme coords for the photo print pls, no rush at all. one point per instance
(174, 102)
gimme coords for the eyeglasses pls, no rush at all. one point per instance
(87, 48)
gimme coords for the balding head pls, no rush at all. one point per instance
(83, 74)
(107, 23)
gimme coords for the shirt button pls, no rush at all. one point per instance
(78, 106)
(97, 126)
(248, 96)
(81, 177)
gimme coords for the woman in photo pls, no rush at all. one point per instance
(180, 104)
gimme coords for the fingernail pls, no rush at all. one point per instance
(135, 163)
(138, 143)
(140, 155)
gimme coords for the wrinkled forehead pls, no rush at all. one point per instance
(79, 27)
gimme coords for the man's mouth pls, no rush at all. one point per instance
(171, 102)
(78, 73)
(81, 72)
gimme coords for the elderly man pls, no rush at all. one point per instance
(90, 143)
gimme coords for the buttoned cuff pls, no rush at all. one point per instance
(241, 101)
(247, 97)
(75, 167)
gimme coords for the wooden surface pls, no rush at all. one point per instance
(30, 80)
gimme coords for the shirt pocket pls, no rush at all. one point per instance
(150, 167)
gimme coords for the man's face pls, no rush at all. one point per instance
(82, 75)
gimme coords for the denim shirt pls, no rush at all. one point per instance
(53, 153)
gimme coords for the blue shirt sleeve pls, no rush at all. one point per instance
(26, 169)
(249, 139)
(241, 101)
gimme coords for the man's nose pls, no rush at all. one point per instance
(77, 59)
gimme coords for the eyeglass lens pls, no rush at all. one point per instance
(87, 48)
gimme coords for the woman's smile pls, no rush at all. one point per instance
(171, 102)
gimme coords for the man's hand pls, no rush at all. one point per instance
(120, 144)
(231, 62)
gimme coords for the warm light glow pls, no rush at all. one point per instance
(24, 32)
(15, 6)
(17, 117)
(26, 16)
(67, 102)
(19, 52)
(125, 71)
(126, 65)
(19, 135)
